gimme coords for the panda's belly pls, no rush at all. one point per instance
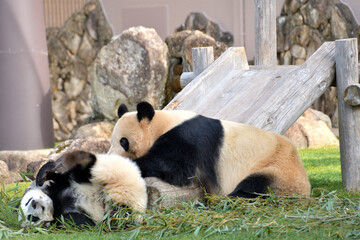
(90, 200)
(243, 147)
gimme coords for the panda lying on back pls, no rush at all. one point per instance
(182, 148)
(78, 193)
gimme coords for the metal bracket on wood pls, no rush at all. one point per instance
(202, 57)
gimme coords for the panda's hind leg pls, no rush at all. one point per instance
(252, 186)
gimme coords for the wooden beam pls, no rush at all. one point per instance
(265, 32)
(162, 194)
(349, 117)
(202, 57)
(232, 59)
(267, 97)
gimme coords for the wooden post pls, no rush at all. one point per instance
(349, 117)
(265, 32)
(202, 57)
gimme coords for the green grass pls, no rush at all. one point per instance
(330, 213)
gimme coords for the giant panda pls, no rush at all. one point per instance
(80, 189)
(228, 158)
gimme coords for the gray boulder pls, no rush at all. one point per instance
(132, 68)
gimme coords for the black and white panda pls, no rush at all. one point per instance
(182, 148)
(83, 191)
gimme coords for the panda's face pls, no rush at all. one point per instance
(37, 208)
(131, 138)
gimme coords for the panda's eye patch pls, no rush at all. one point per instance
(124, 143)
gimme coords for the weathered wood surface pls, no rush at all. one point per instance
(265, 32)
(349, 117)
(352, 95)
(232, 59)
(202, 57)
(162, 194)
(271, 98)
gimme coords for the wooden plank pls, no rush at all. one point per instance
(232, 59)
(349, 117)
(289, 95)
(271, 97)
(352, 95)
(162, 194)
(265, 32)
(202, 57)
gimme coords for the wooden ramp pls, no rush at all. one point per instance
(267, 97)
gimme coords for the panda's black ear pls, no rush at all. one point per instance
(122, 110)
(145, 110)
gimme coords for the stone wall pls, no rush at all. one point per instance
(72, 49)
(305, 24)
(301, 29)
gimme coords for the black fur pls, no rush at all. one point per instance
(79, 219)
(32, 218)
(250, 186)
(189, 149)
(122, 110)
(60, 192)
(145, 110)
(45, 171)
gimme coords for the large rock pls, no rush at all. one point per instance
(94, 131)
(133, 67)
(175, 43)
(199, 39)
(93, 146)
(312, 130)
(198, 21)
(72, 49)
(17, 161)
(14, 163)
(4, 172)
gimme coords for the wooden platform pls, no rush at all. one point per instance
(267, 97)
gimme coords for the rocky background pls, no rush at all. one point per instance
(92, 72)
(72, 50)
(303, 26)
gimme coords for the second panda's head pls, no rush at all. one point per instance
(132, 134)
(135, 132)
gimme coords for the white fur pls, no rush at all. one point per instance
(121, 179)
(89, 199)
(43, 207)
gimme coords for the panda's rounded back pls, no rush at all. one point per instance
(247, 150)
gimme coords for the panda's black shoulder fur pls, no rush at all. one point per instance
(190, 148)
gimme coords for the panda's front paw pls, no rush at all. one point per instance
(45, 173)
